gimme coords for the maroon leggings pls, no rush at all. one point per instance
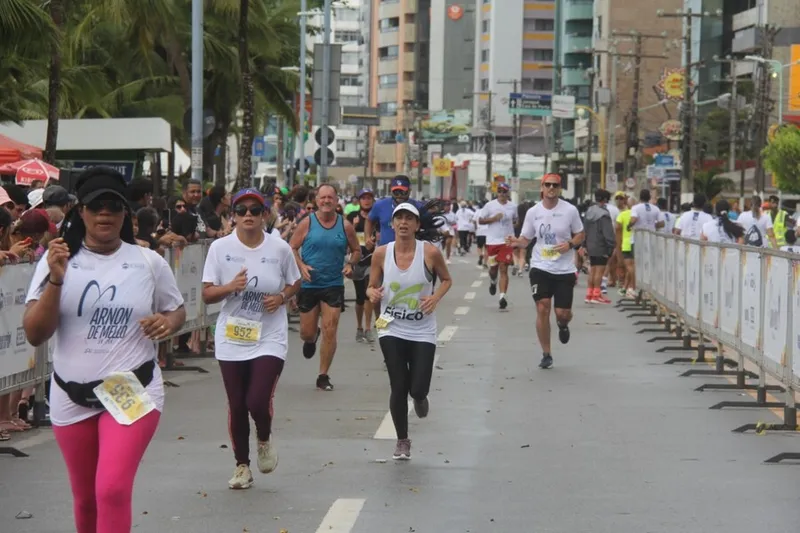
(250, 386)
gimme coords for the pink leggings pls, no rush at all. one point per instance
(102, 457)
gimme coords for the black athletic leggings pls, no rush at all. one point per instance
(463, 238)
(250, 386)
(410, 367)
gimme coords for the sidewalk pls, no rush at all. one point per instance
(610, 440)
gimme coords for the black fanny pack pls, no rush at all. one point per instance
(83, 393)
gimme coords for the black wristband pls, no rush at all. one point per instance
(51, 282)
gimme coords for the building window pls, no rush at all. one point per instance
(484, 84)
(387, 136)
(387, 81)
(387, 109)
(485, 26)
(390, 24)
(350, 80)
(543, 25)
(537, 55)
(350, 58)
(341, 145)
(388, 52)
(542, 84)
(346, 15)
(484, 56)
(347, 36)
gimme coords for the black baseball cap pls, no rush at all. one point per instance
(100, 181)
(57, 195)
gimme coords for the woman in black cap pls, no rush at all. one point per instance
(109, 301)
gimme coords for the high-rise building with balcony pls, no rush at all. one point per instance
(514, 42)
(398, 56)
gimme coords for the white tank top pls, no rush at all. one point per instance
(402, 290)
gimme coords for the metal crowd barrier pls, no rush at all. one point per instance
(22, 366)
(744, 300)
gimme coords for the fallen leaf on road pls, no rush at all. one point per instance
(438, 367)
(525, 446)
(223, 447)
(181, 437)
(144, 512)
(414, 489)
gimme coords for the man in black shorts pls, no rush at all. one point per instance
(557, 228)
(360, 274)
(600, 243)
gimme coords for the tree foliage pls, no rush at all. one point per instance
(132, 58)
(782, 158)
(710, 183)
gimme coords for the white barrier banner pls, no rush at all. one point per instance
(669, 293)
(796, 319)
(693, 281)
(710, 304)
(680, 275)
(776, 308)
(16, 355)
(187, 263)
(646, 259)
(729, 309)
(751, 299)
(659, 244)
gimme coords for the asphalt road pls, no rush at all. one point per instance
(609, 440)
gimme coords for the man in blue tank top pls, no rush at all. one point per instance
(320, 243)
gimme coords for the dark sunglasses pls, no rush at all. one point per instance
(551, 185)
(242, 210)
(400, 192)
(109, 204)
(178, 207)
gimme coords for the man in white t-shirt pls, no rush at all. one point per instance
(556, 226)
(691, 223)
(645, 215)
(464, 217)
(665, 216)
(499, 216)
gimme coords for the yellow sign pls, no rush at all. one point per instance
(441, 167)
(672, 84)
(794, 80)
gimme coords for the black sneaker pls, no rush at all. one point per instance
(421, 407)
(324, 382)
(547, 361)
(480, 260)
(310, 348)
(563, 333)
(493, 287)
(503, 303)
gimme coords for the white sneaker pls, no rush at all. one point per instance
(631, 294)
(242, 478)
(267, 457)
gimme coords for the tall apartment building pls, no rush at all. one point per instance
(398, 57)
(346, 30)
(515, 41)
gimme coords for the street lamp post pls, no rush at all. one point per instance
(302, 113)
(582, 109)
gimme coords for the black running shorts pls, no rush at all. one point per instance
(558, 287)
(308, 299)
(598, 261)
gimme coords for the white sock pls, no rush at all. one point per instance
(502, 295)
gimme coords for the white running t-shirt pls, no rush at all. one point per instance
(102, 301)
(712, 230)
(481, 229)
(669, 221)
(270, 268)
(551, 227)
(497, 232)
(646, 215)
(747, 221)
(464, 218)
(692, 222)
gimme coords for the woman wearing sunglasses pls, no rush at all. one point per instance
(108, 301)
(253, 273)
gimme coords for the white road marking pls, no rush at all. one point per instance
(386, 429)
(342, 516)
(476, 284)
(484, 274)
(469, 296)
(462, 310)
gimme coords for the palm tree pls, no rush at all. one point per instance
(54, 86)
(711, 184)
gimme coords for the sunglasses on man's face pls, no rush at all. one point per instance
(551, 185)
(400, 192)
(179, 207)
(242, 210)
(108, 204)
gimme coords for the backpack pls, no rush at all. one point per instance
(753, 237)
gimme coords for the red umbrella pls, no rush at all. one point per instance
(28, 171)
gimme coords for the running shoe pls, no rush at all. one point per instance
(621, 291)
(310, 348)
(360, 335)
(631, 294)
(547, 361)
(514, 270)
(563, 333)
(242, 478)
(601, 300)
(492, 287)
(324, 382)
(402, 452)
(369, 335)
(503, 303)
(421, 407)
(267, 457)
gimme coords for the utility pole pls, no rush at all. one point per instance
(587, 165)
(515, 123)
(488, 125)
(302, 87)
(197, 90)
(763, 104)
(687, 109)
(733, 115)
(322, 175)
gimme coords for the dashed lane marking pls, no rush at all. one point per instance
(342, 516)
(462, 310)
(476, 284)
(469, 296)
